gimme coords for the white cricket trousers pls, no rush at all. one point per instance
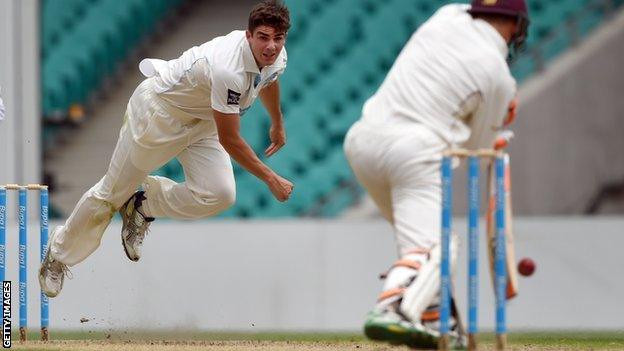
(399, 166)
(151, 135)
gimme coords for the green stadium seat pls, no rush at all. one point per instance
(82, 43)
(282, 165)
(339, 125)
(276, 209)
(524, 66)
(337, 202)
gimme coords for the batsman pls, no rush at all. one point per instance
(189, 108)
(449, 87)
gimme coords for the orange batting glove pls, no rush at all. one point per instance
(511, 112)
(502, 139)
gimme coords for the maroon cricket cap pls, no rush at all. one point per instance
(500, 7)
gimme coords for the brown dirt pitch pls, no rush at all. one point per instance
(243, 345)
(174, 341)
(183, 340)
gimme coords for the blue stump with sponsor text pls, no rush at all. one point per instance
(22, 219)
(500, 273)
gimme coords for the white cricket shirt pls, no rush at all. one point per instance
(452, 77)
(221, 74)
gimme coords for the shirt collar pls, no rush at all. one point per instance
(248, 59)
(493, 36)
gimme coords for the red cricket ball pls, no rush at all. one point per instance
(526, 266)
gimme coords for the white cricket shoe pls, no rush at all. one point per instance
(135, 226)
(52, 273)
(392, 327)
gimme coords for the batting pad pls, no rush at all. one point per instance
(419, 295)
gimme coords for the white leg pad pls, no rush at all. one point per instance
(419, 295)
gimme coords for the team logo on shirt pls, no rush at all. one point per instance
(233, 97)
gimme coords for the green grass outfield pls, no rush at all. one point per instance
(183, 340)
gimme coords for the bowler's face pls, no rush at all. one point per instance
(266, 43)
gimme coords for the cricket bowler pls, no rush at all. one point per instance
(188, 108)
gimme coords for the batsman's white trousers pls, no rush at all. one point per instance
(152, 135)
(399, 166)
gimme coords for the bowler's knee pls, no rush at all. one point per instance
(217, 200)
(226, 196)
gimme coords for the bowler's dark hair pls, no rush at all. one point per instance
(272, 13)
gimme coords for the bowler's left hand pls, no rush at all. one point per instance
(278, 139)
